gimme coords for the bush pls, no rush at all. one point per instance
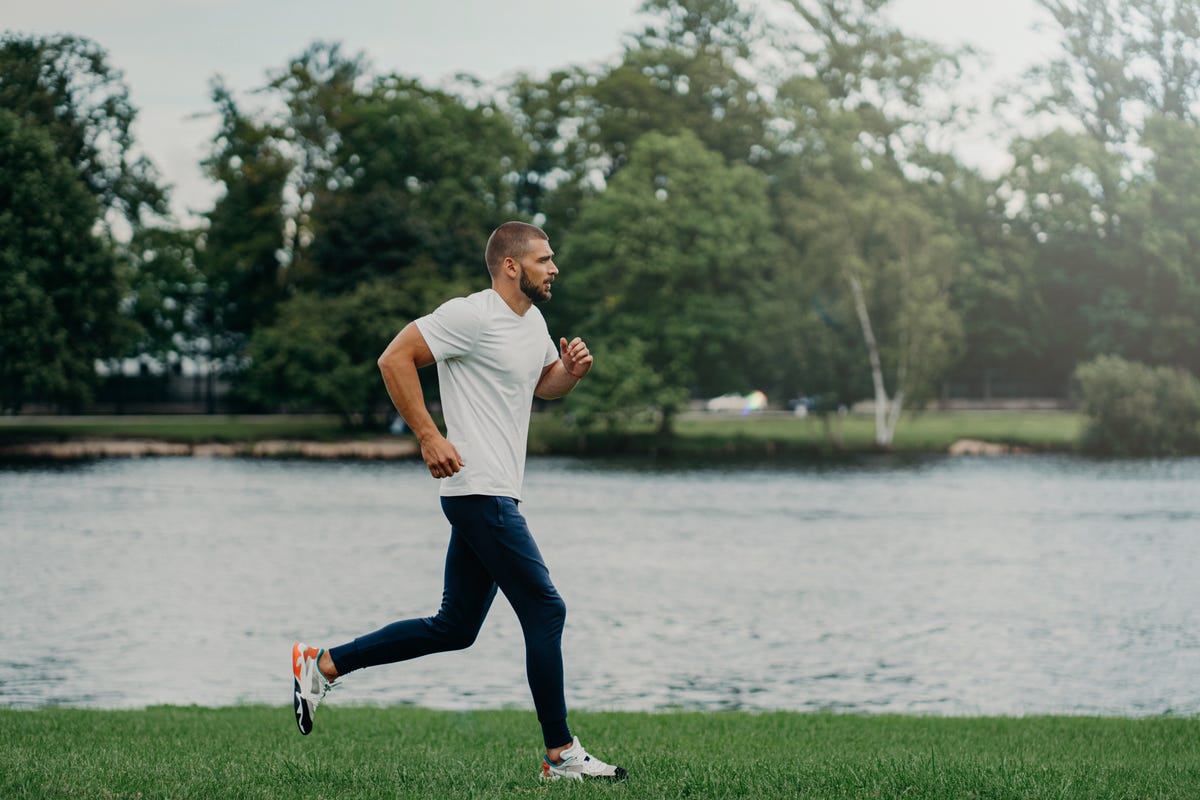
(1138, 410)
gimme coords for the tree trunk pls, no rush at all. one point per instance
(887, 412)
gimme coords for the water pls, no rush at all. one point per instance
(1022, 585)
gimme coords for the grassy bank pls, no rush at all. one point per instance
(255, 752)
(187, 428)
(930, 432)
(695, 435)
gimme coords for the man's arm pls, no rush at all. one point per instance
(399, 363)
(560, 377)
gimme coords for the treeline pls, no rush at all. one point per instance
(737, 203)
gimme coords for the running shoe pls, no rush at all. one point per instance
(310, 684)
(576, 765)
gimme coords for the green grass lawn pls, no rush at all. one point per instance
(358, 752)
(927, 432)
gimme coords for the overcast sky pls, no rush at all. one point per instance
(170, 49)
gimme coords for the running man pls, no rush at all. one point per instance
(493, 354)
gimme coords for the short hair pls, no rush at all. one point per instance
(510, 240)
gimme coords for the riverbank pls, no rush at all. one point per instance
(360, 752)
(695, 436)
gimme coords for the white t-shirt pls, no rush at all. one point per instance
(489, 360)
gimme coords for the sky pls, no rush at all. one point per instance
(169, 51)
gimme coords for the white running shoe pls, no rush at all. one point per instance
(576, 765)
(310, 684)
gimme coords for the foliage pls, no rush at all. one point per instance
(59, 285)
(675, 254)
(65, 85)
(166, 295)
(622, 388)
(746, 198)
(241, 256)
(321, 351)
(867, 249)
(1137, 410)
(418, 176)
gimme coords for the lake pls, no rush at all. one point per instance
(951, 586)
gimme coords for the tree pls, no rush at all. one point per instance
(675, 255)
(418, 176)
(858, 195)
(1101, 199)
(321, 351)
(622, 387)
(685, 70)
(242, 247)
(59, 287)
(166, 295)
(896, 262)
(64, 85)
(1138, 410)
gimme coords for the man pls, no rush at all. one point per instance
(493, 354)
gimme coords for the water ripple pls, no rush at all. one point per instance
(946, 586)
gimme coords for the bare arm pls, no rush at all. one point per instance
(399, 363)
(560, 378)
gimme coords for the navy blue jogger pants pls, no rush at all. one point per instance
(490, 547)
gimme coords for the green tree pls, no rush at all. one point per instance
(166, 295)
(419, 176)
(321, 352)
(622, 387)
(65, 85)
(1102, 199)
(59, 286)
(686, 69)
(896, 262)
(861, 203)
(1138, 410)
(242, 246)
(676, 255)
(1171, 243)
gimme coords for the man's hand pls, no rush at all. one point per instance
(576, 358)
(440, 456)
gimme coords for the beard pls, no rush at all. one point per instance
(538, 293)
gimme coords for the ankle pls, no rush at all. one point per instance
(327, 667)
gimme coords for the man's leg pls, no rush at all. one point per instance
(497, 533)
(467, 594)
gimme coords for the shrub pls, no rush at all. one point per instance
(1138, 410)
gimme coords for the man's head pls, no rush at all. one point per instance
(520, 251)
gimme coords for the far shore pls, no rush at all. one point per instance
(389, 449)
(371, 449)
(700, 436)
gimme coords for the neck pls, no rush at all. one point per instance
(511, 294)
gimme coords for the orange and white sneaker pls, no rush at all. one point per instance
(576, 765)
(310, 684)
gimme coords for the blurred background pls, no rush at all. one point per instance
(824, 201)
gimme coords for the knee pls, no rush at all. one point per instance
(556, 612)
(454, 636)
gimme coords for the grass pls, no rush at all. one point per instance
(783, 435)
(358, 752)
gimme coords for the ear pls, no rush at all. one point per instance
(511, 267)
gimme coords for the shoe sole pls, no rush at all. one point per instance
(303, 716)
(620, 775)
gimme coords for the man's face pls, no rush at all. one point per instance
(537, 271)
